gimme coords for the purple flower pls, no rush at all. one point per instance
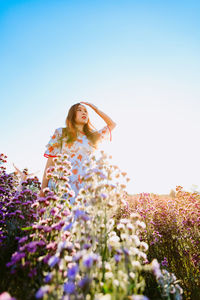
(164, 263)
(68, 227)
(41, 243)
(86, 246)
(48, 277)
(72, 272)
(104, 196)
(17, 256)
(69, 287)
(47, 228)
(156, 268)
(32, 272)
(79, 213)
(85, 217)
(23, 239)
(42, 291)
(117, 257)
(88, 262)
(32, 246)
(52, 245)
(53, 261)
(42, 210)
(84, 283)
(54, 211)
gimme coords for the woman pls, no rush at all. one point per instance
(78, 140)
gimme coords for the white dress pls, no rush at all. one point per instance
(78, 152)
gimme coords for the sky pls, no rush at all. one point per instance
(137, 61)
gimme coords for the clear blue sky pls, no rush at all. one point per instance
(138, 61)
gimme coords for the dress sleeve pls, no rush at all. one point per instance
(53, 146)
(105, 133)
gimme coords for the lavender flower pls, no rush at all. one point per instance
(71, 273)
(42, 291)
(69, 287)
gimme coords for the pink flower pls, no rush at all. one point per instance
(6, 296)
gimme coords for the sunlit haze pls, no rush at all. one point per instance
(137, 61)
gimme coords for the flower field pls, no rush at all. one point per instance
(105, 246)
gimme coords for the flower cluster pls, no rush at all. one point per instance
(172, 231)
(41, 237)
(101, 254)
(86, 250)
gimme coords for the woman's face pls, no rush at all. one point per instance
(81, 115)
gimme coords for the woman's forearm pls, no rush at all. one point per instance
(45, 180)
(105, 117)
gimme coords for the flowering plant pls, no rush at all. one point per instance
(85, 250)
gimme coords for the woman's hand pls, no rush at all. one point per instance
(90, 105)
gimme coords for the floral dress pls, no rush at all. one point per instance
(78, 152)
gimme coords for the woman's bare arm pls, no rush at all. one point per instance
(105, 117)
(45, 180)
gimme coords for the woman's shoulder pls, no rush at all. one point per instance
(59, 131)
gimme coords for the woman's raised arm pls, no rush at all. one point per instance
(105, 117)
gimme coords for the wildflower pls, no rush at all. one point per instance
(68, 226)
(107, 266)
(108, 275)
(130, 227)
(136, 240)
(103, 297)
(42, 291)
(87, 246)
(17, 256)
(134, 251)
(136, 265)
(142, 255)
(6, 296)
(132, 275)
(54, 211)
(124, 221)
(144, 246)
(23, 239)
(71, 273)
(114, 241)
(68, 258)
(138, 297)
(117, 258)
(121, 226)
(48, 277)
(88, 261)
(69, 287)
(124, 236)
(140, 224)
(104, 196)
(52, 245)
(53, 261)
(156, 268)
(134, 216)
(84, 283)
(164, 263)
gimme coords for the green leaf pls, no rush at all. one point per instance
(26, 228)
